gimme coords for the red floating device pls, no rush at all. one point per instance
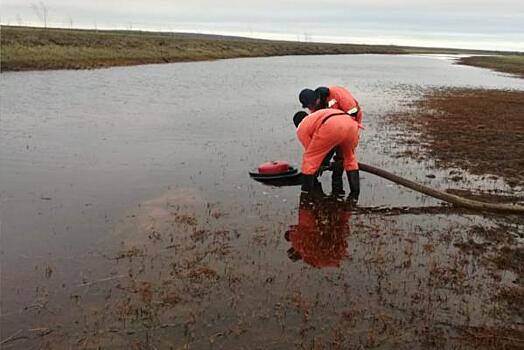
(277, 173)
(273, 167)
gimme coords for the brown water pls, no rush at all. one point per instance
(128, 219)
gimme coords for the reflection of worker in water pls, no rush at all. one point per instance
(319, 238)
(320, 132)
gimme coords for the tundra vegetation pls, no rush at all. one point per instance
(27, 48)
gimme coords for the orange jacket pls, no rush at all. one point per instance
(310, 124)
(323, 130)
(340, 98)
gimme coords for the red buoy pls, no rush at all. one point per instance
(274, 167)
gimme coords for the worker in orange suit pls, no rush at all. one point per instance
(322, 131)
(333, 97)
(320, 237)
(336, 97)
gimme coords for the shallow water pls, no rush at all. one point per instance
(137, 159)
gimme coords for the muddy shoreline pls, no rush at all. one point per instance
(481, 131)
(474, 129)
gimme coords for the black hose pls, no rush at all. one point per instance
(447, 197)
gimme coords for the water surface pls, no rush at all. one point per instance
(149, 164)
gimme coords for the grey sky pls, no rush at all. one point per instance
(459, 23)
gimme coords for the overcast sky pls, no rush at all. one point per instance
(494, 24)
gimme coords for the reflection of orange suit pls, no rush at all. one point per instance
(341, 98)
(323, 130)
(321, 233)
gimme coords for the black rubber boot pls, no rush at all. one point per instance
(308, 183)
(337, 186)
(354, 184)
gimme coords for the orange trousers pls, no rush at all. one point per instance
(339, 130)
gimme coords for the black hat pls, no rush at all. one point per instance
(298, 117)
(307, 97)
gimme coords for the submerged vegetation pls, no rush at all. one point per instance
(474, 129)
(26, 48)
(185, 278)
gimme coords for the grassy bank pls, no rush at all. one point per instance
(32, 48)
(507, 64)
(24, 48)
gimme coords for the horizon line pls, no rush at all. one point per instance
(259, 36)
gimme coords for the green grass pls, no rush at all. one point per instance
(26, 48)
(513, 64)
(35, 48)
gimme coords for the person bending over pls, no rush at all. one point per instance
(322, 131)
(336, 97)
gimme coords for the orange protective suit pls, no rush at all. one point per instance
(320, 237)
(340, 98)
(323, 130)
